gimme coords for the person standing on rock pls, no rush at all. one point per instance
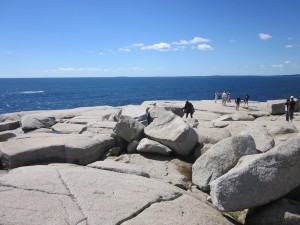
(237, 102)
(224, 98)
(286, 109)
(291, 108)
(216, 96)
(246, 100)
(188, 109)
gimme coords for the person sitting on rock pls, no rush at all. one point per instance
(188, 109)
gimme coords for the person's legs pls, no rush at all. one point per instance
(287, 115)
(291, 112)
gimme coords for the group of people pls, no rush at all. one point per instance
(226, 97)
(289, 108)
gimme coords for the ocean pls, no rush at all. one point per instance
(24, 94)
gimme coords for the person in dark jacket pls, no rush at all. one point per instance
(292, 108)
(188, 109)
(286, 109)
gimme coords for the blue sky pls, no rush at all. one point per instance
(95, 38)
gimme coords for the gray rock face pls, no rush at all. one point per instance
(129, 128)
(48, 148)
(119, 167)
(281, 212)
(276, 107)
(172, 131)
(5, 135)
(212, 135)
(68, 128)
(9, 125)
(149, 146)
(156, 112)
(259, 181)
(35, 121)
(131, 147)
(220, 159)
(54, 195)
(137, 112)
(263, 140)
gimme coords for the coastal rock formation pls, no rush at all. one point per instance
(172, 131)
(35, 121)
(220, 159)
(122, 184)
(261, 180)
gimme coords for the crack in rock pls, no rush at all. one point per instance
(73, 199)
(149, 204)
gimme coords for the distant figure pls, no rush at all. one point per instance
(188, 109)
(237, 102)
(246, 100)
(228, 96)
(224, 98)
(216, 96)
(291, 108)
(286, 109)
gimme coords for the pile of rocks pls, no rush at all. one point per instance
(147, 164)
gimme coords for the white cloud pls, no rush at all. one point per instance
(124, 49)
(289, 46)
(278, 66)
(264, 36)
(158, 47)
(136, 68)
(138, 45)
(287, 62)
(66, 69)
(195, 40)
(205, 47)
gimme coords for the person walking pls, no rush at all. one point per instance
(216, 96)
(286, 109)
(188, 109)
(291, 108)
(237, 102)
(246, 100)
(224, 98)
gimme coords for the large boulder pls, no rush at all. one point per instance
(129, 128)
(280, 212)
(212, 135)
(172, 131)
(220, 159)
(67, 194)
(260, 180)
(9, 125)
(49, 148)
(263, 140)
(149, 146)
(276, 107)
(35, 121)
(68, 128)
(136, 112)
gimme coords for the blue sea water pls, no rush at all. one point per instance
(23, 94)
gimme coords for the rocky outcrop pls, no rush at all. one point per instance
(137, 112)
(149, 146)
(9, 125)
(172, 131)
(35, 121)
(220, 159)
(212, 135)
(54, 195)
(260, 180)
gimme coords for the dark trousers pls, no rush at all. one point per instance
(291, 112)
(287, 115)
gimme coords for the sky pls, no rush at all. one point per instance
(139, 38)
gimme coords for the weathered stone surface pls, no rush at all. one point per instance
(183, 210)
(156, 112)
(263, 140)
(275, 107)
(172, 131)
(131, 147)
(242, 117)
(104, 127)
(261, 180)
(119, 167)
(165, 168)
(129, 128)
(9, 125)
(54, 195)
(212, 135)
(47, 148)
(236, 127)
(68, 128)
(192, 122)
(5, 135)
(220, 159)
(281, 212)
(35, 121)
(137, 112)
(220, 124)
(149, 146)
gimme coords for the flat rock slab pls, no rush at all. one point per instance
(68, 128)
(9, 125)
(66, 194)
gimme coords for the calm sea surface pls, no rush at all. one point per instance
(66, 93)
